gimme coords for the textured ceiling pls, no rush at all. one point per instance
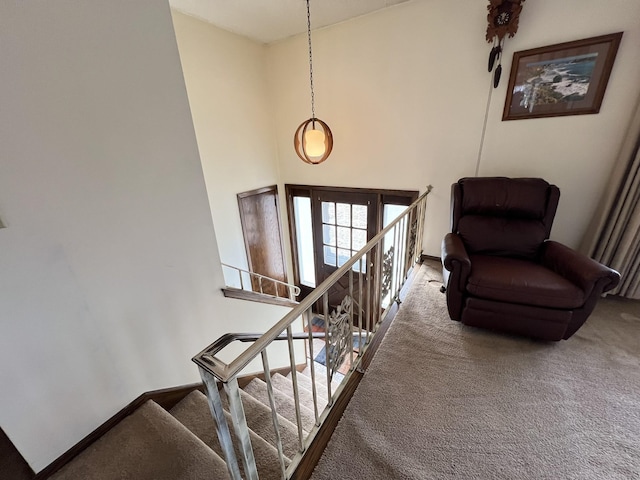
(268, 21)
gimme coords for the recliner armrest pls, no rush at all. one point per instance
(453, 250)
(578, 268)
(457, 267)
(455, 260)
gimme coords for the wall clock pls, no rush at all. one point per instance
(502, 20)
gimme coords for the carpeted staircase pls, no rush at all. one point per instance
(153, 443)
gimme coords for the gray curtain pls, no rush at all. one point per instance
(614, 236)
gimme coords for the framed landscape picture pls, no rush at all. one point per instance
(564, 79)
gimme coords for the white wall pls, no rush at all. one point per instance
(405, 92)
(225, 78)
(577, 153)
(109, 273)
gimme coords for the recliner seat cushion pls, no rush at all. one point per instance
(520, 281)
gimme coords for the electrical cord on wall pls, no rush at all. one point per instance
(484, 127)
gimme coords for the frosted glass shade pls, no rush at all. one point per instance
(314, 143)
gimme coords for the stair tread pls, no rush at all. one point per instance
(285, 404)
(285, 384)
(193, 412)
(149, 443)
(305, 381)
(321, 376)
(259, 420)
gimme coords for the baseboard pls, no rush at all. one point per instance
(424, 257)
(167, 398)
(12, 464)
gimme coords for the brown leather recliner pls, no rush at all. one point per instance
(502, 272)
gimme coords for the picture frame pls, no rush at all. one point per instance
(564, 79)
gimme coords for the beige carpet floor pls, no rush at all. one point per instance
(445, 401)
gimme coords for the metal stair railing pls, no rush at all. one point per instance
(262, 282)
(373, 286)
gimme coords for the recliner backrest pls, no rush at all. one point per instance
(503, 216)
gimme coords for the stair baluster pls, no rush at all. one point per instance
(296, 395)
(307, 318)
(222, 428)
(274, 413)
(240, 426)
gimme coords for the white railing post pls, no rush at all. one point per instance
(242, 430)
(308, 319)
(327, 345)
(222, 428)
(377, 305)
(296, 394)
(350, 342)
(274, 413)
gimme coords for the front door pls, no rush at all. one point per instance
(328, 225)
(343, 223)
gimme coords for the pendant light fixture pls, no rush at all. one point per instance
(313, 139)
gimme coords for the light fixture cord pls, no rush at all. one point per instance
(313, 107)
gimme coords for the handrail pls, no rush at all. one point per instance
(383, 267)
(293, 290)
(225, 372)
(228, 338)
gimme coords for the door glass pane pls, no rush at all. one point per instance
(343, 256)
(328, 234)
(360, 264)
(328, 212)
(391, 212)
(330, 255)
(359, 239)
(343, 214)
(359, 219)
(344, 235)
(304, 240)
